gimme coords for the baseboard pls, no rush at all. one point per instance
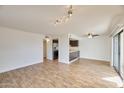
(74, 60)
(95, 59)
(18, 67)
(63, 62)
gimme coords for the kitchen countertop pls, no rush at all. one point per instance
(73, 51)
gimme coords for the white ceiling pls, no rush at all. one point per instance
(40, 19)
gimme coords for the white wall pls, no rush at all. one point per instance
(19, 49)
(64, 49)
(44, 48)
(98, 48)
(75, 37)
(49, 50)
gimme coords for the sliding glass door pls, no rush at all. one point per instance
(116, 52)
(121, 55)
(118, 62)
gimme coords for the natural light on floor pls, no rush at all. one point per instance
(114, 79)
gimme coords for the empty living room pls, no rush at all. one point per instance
(61, 46)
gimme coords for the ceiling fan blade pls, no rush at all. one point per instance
(84, 35)
(96, 35)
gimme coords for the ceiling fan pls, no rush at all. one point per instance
(91, 35)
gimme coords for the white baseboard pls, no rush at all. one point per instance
(73, 60)
(94, 59)
(18, 67)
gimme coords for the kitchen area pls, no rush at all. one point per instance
(69, 48)
(64, 49)
(73, 50)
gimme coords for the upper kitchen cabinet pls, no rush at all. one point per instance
(74, 43)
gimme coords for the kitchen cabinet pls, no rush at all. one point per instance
(73, 55)
(74, 43)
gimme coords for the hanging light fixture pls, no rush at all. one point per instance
(65, 18)
(70, 11)
(47, 38)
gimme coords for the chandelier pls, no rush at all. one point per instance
(65, 18)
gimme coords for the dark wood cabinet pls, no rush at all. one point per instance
(73, 43)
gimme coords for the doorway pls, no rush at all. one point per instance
(55, 44)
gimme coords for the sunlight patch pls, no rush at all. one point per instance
(114, 79)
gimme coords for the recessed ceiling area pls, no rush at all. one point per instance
(40, 18)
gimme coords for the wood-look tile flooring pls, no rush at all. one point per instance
(82, 73)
